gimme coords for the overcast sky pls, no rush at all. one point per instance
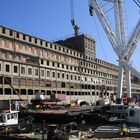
(50, 20)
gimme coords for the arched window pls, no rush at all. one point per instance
(48, 73)
(17, 46)
(10, 45)
(29, 49)
(2, 42)
(41, 53)
(30, 71)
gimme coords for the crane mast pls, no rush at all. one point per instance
(123, 51)
(120, 36)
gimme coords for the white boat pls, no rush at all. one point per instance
(8, 117)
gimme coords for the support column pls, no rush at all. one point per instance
(3, 88)
(12, 93)
(27, 94)
(128, 83)
(120, 82)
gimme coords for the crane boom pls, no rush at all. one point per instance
(123, 51)
(120, 34)
(132, 42)
(131, 68)
(93, 5)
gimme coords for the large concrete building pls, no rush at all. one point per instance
(67, 67)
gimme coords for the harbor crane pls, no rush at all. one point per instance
(74, 25)
(123, 49)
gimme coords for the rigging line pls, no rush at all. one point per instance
(109, 0)
(100, 39)
(137, 49)
(72, 9)
(109, 10)
(104, 4)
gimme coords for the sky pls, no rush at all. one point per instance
(50, 20)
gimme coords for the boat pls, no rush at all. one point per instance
(48, 110)
(7, 115)
(53, 111)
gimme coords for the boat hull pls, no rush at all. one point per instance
(52, 117)
(95, 118)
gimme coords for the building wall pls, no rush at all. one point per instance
(30, 64)
(82, 43)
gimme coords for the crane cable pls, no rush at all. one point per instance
(72, 9)
(75, 26)
(72, 13)
(98, 33)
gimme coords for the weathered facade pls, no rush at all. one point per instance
(69, 68)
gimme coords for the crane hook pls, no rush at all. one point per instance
(91, 10)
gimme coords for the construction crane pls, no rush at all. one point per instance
(13, 88)
(74, 25)
(123, 49)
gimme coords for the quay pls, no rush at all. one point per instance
(70, 132)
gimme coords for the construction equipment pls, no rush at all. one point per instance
(74, 25)
(13, 88)
(123, 50)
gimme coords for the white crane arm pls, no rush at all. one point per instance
(132, 42)
(120, 34)
(131, 68)
(109, 32)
